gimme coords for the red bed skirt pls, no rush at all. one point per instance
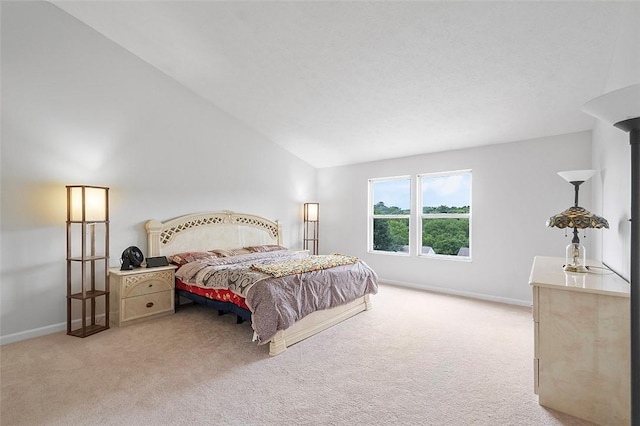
(222, 295)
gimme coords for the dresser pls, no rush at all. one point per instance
(581, 341)
(141, 293)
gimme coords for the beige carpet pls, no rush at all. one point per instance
(417, 358)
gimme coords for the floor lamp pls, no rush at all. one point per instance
(311, 217)
(622, 109)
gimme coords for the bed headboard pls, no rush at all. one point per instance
(208, 231)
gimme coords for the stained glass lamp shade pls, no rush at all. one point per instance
(577, 217)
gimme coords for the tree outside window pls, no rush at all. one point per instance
(445, 219)
(390, 212)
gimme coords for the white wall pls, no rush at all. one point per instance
(79, 109)
(611, 154)
(515, 190)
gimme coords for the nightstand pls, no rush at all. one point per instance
(141, 294)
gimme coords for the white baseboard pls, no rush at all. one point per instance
(42, 331)
(36, 332)
(470, 295)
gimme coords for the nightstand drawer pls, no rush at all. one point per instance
(147, 283)
(145, 305)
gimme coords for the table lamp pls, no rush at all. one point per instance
(576, 217)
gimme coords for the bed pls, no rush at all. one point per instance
(235, 262)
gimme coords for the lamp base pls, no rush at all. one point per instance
(575, 259)
(576, 268)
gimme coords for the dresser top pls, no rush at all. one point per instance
(547, 272)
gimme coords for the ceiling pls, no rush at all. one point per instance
(338, 83)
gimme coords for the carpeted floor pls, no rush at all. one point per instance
(417, 358)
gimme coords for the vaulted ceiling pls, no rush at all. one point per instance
(347, 82)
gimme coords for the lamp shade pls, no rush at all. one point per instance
(577, 217)
(577, 175)
(615, 106)
(311, 212)
(93, 201)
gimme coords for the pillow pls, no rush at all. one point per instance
(240, 251)
(190, 256)
(229, 253)
(265, 248)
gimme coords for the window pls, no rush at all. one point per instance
(435, 223)
(445, 214)
(389, 214)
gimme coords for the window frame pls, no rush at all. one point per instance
(372, 216)
(420, 216)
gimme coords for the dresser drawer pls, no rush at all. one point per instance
(147, 304)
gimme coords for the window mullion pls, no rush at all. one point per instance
(446, 216)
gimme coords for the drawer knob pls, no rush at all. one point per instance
(150, 305)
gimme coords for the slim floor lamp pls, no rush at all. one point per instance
(622, 109)
(311, 218)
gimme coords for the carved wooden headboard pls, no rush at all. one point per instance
(209, 231)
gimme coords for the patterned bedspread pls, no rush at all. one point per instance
(306, 264)
(276, 303)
